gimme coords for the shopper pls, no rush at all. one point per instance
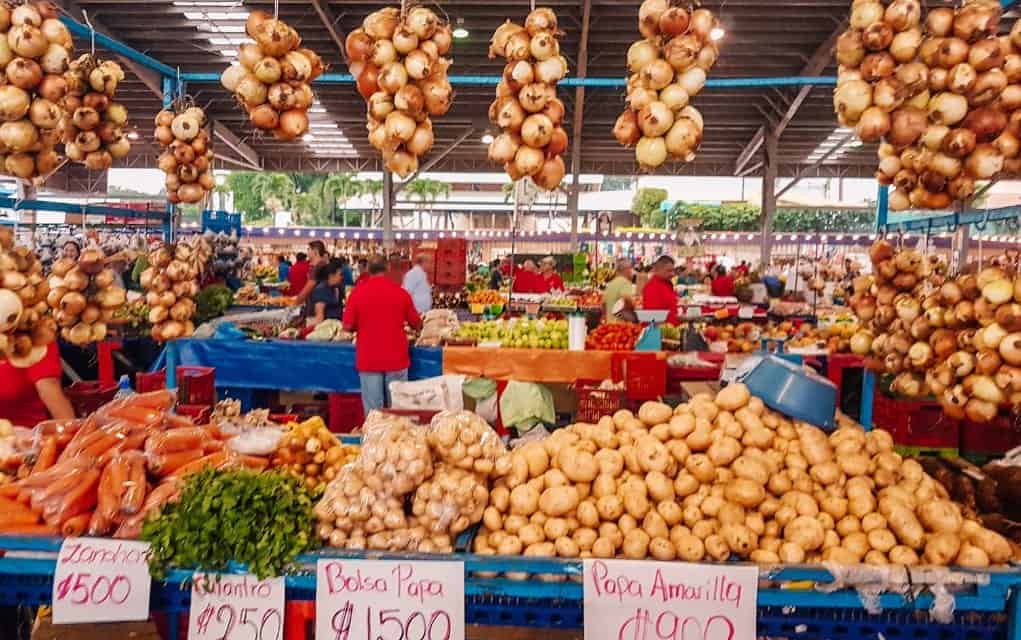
(317, 257)
(283, 268)
(658, 293)
(297, 275)
(723, 284)
(29, 396)
(549, 280)
(327, 296)
(620, 288)
(527, 279)
(363, 271)
(70, 250)
(378, 310)
(416, 283)
(345, 270)
(495, 275)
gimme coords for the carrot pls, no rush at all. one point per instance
(78, 500)
(138, 415)
(59, 487)
(252, 462)
(47, 454)
(79, 442)
(119, 471)
(99, 525)
(134, 488)
(74, 527)
(100, 447)
(211, 460)
(107, 498)
(212, 446)
(28, 530)
(12, 512)
(175, 421)
(160, 400)
(167, 491)
(9, 490)
(166, 463)
(176, 440)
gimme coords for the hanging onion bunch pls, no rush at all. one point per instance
(526, 106)
(272, 77)
(171, 284)
(94, 123)
(938, 91)
(666, 70)
(402, 75)
(958, 339)
(83, 296)
(25, 323)
(188, 156)
(35, 49)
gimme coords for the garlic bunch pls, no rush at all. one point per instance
(26, 327)
(667, 69)
(271, 78)
(188, 156)
(83, 296)
(401, 71)
(93, 130)
(526, 106)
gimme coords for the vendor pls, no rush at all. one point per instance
(620, 288)
(659, 294)
(317, 257)
(378, 309)
(549, 280)
(723, 284)
(325, 301)
(29, 396)
(527, 279)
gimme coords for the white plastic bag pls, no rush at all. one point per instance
(432, 394)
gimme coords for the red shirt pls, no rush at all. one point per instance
(551, 283)
(19, 401)
(659, 295)
(527, 282)
(297, 277)
(377, 310)
(362, 277)
(723, 286)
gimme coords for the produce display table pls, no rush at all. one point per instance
(293, 365)
(531, 365)
(808, 602)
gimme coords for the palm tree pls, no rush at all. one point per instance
(427, 191)
(338, 188)
(374, 189)
(277, 190)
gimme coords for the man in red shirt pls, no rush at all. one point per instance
(723, 283)
(377, 310)
(297, 277)
(549, 279)
(29, 396)
(659, 294)
(527, 279)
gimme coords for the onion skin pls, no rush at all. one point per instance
(906, 126)
(626, 129)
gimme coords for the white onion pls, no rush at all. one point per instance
(655, 119)
(640, 54)
(651, 152)
(400, 126)
(692, 80)
(674, 96)
(683, 139)
(866, 13)
(851, 99)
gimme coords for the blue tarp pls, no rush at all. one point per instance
(289, 365)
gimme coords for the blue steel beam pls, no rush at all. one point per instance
(106, 42)
(952, 221)
(70, 207)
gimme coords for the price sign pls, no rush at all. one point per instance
(389, 600)
(100, 580)
(630, 600)
(236, 607)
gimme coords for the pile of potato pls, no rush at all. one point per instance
(26, 327)
(720, 477)
(364, 506)
(93, 134)
(309, 451)
(84, 297)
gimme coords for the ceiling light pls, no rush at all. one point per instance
(308, 137)
(487, 138)
(460, 33)
(133, 135)
(717, 34)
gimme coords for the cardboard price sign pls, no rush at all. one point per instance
(100, 580)
(389, 600)
(639, 600)
(236, 607)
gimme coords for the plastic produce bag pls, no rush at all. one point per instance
(451, 501)
(464, 440)
(525, 404)
(261, 441)
(432, 394)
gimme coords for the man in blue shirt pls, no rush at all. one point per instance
(416, 283)
(345, 269)
(283, 268)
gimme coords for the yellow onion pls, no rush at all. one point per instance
(683, 139)
(519, 46)
(249, 55)
(655, 119)
(392, 77)
(961, 188)
(951, 51)
(682, 51)
(988, 87)
(898, 200)
(551, 71)
(986, 54)
(986, 123)
(640, 54)
(410, 100)
(380, 105)
(934, 136)
(976, 20)
(658, 74)
(962, 78)
(14, 103)
(19, 135)
(537, 129)
(939, 22)
(264, 117)
(268, 70)
(24, 73)
(873, 125)
(251, 92)
(866, 13)
(692, 80)
(913, 76)
(905, 179)
(674, 96)
(422, 140)
(282, 96)
(551, 174)
(959, 142)
(903, 14)
(701, 23)
(381, 24)
(907, 124)
(400, 126)
(938, 79)
(889, 166)
(877, 36)
(673, 22)
(438, 94)
(543, 46)
(947, 108)
(528, 160)
(1007, 144)
(503, 147)
(876, 66)
(231, 76)
(888, 94)
(639, 97)
(983, 163)
(904, 46)
(418, 65)
(651, 152)
(422, 22)
(626, 129)
(850, 49)
(533, 97)
(1010, 98)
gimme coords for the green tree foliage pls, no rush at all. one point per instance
(239, 183)
(746, 217)
(646, 206)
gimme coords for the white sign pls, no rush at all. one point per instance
(235, 607)
(631, 600)
(389, 600)
(100, 580)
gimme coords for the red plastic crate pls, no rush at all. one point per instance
(837, 362)
(594, 403)
(706, 374)
(145, 382)
(916, 423)
(346, 413)
(199, 413)
(196, 385)
(644, 374)
(86, 397)
(991, 439)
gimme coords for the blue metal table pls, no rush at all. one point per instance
(985, 610)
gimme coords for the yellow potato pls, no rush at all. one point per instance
(689, 548)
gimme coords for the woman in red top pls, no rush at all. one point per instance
(723, 284)
(527, 279)
(658, 293)
(549, 280)
(29, 396)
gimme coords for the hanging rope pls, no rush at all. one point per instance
(276, 9)
(92, 33)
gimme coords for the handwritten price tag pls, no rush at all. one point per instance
(236, 607)
(630, 600)
(389, 600)
(99, 580)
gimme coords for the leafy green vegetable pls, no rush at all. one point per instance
(262, 520)
(212, 302)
